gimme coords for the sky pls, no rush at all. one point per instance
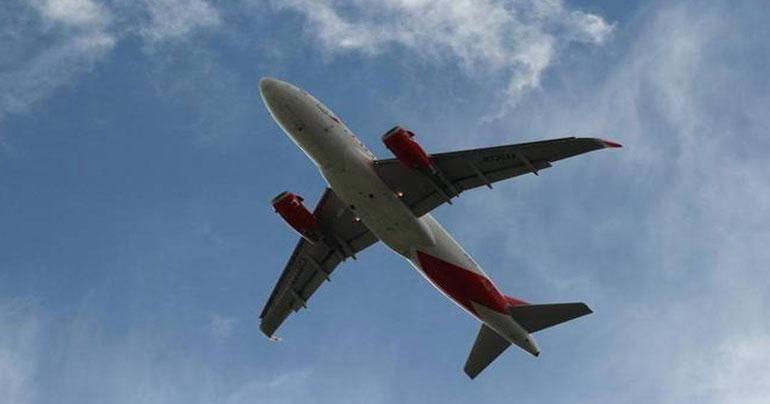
(137, 162)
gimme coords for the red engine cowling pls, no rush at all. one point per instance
(399, 141)
(291, 209)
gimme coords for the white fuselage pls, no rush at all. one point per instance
(348, 167)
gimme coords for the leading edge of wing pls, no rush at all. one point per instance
(471, 168)
(599, 142)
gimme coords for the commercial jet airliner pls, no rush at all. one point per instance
(369, 199)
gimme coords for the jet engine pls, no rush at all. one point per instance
(289, 206)
(399, 141)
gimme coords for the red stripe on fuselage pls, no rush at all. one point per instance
(461, 284)
(515, 302)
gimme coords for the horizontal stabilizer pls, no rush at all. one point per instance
(535, 317)
(488, 346)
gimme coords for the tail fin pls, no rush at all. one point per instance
(488, 346)
(528, 318)
(535, 317)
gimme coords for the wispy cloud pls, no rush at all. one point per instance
(50, 69)
(680, 303)
(81, 38)
(18, 350)
(81, 14)
(175, 19)
(71, 36)
(82, 364)
(220, 327)
(676, 222)
(729, 371)
(519, 39)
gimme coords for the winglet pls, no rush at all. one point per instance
(610, 144)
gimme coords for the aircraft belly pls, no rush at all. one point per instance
(379, 208)
(422, 241)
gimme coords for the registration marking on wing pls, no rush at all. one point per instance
(498, 157)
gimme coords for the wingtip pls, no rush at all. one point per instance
(610, 144)
(268, 333)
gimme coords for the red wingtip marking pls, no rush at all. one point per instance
(610, 144)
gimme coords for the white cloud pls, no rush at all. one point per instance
(85, 14)
(673, 100)
(85, 363)
(735, 371)
(176, 19)
(688, 201)
(77, 34)
(519, 39)
(81, 37)
(50, 69)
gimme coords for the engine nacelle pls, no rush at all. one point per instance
(289, 206)
(399, 141)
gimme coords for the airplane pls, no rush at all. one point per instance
(370, 199)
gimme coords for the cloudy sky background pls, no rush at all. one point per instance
(137, 162)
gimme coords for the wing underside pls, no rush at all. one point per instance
(467, 169)
(311, 264)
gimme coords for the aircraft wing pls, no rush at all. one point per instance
(312, 263)
(467, 169)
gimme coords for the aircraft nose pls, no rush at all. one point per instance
(283, 101)
(269, 88)
(276, 95)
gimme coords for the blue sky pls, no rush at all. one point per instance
(137, 162)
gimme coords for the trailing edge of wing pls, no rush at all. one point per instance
(467, 169)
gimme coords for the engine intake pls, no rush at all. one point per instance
(399, 141)
(289, 206)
